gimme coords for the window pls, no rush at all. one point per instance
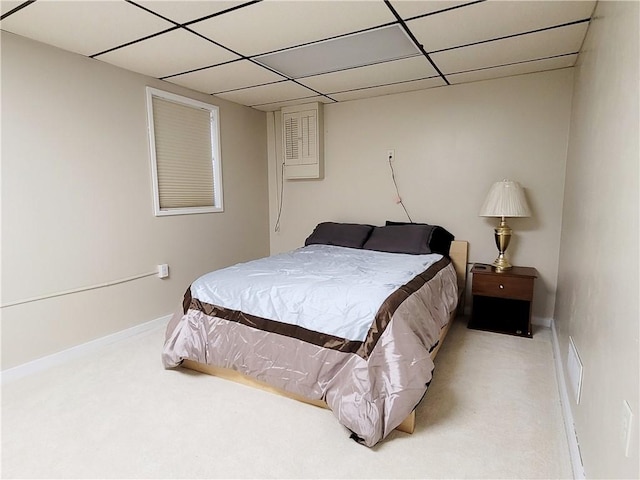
(185, 154)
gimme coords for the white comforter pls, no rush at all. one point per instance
(339, 289)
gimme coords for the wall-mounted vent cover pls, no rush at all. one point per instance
(302, 141)
(574, 369)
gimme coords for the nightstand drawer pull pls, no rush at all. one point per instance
(501, 286)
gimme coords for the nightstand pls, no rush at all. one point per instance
(502, 300)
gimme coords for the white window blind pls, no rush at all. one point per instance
(185, 154)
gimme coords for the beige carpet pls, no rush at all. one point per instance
(492, 411)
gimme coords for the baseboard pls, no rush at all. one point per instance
(44, 363)
(569, 426)
(541, 321)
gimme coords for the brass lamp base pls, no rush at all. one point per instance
(502, 235)
(501, 264)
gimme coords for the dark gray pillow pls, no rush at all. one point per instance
(351, 235)
(413, 239)
(439, 239)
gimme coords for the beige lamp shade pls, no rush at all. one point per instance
(505, 199)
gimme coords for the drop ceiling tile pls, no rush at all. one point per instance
(413, 68)
(270, 107)
(234, 75)
(388, 89)
(493, 19)
(84, 27)
(548, 43)
(274, 92)
(409, 9)
(515, 69)
(167, 54)
(183, 12)
(7, 5)
(272, 25)
(349, 51)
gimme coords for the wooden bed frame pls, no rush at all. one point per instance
(458, 254)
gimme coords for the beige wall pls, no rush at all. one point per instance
(77, 201)
(451, 144)
(598, 273)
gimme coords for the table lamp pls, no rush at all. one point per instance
(505, 199)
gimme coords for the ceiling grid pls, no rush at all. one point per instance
(272, 53)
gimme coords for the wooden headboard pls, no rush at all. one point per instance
(458, 253)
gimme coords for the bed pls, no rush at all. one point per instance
(350, 322)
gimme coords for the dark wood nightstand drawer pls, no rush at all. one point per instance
(517, 288)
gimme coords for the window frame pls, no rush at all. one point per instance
(216, 157)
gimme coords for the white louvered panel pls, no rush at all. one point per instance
(302, 141)
(183, 155)
(291, 122)
(304, 138)
(309, 138)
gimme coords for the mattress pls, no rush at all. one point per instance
(351, 327)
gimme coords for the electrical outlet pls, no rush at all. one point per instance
(391, 155)
(163, 270)
(627, 421)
